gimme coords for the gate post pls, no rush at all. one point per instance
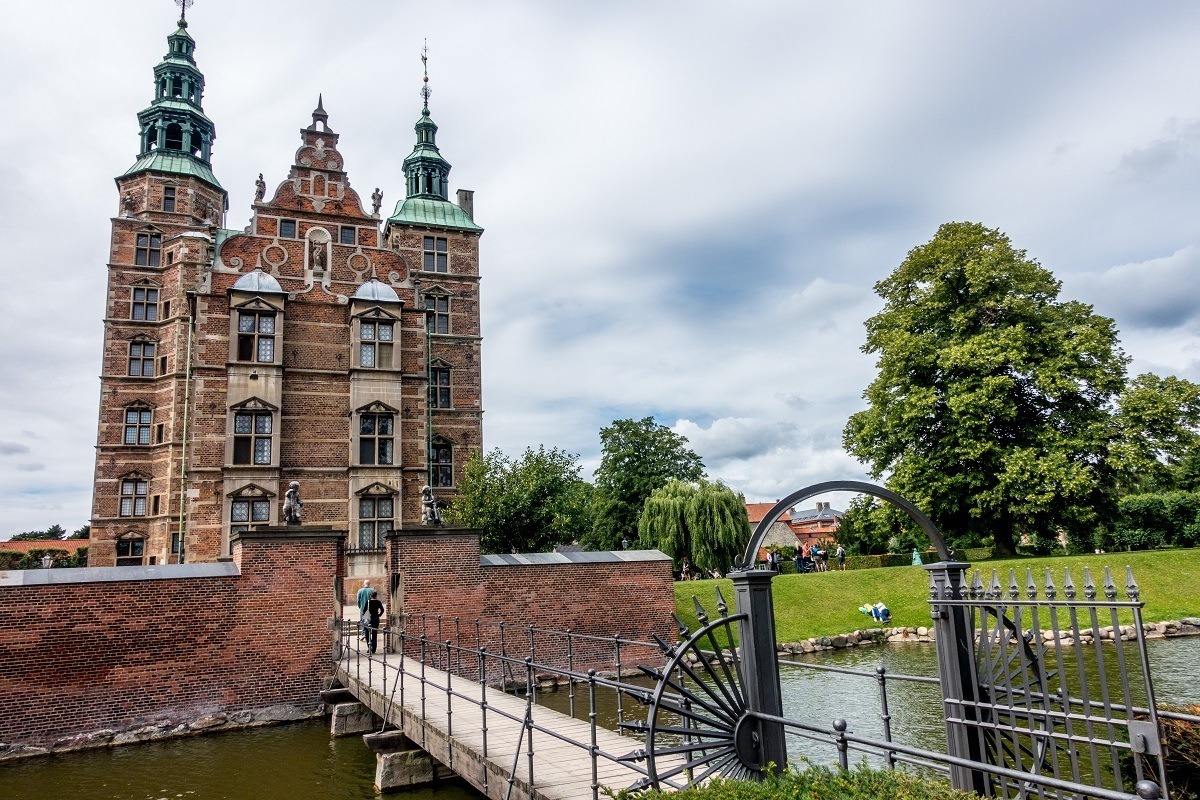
(756, 637)
(955, 637)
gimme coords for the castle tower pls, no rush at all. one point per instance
(307, 347)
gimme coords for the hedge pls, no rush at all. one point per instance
(821, 783)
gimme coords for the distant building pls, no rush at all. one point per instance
(780, 534)
(23, 546)
(817, 523)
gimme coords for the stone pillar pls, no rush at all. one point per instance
(351, 718)
(400, 763)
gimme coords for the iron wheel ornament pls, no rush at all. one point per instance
(698, 726)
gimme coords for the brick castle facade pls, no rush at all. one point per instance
(323, 344)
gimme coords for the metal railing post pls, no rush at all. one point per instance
(449, 711)
(423, 723)
(570, 677)
(881, 675)
(617, 651)
(594, 751)
(839, 725)
(756, 636)
(483, 709)
(529, 718)
(956, 671)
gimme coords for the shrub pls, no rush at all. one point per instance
(813, 782)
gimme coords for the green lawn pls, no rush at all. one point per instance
(827, 603)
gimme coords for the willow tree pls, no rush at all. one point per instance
(705, 522)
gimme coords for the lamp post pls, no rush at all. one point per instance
(47, 561)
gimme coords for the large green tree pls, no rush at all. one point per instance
(1158, 445)
(705, 522)
(993, 406)
(638, 456)
(525, 505)
(55, 531)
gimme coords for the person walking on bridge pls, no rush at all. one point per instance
(374, 613)
(362, 598)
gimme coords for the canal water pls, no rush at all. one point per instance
(301, 761)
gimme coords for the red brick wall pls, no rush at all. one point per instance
(439, 573)
(79, 659)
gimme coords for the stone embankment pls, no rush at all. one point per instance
(1188, 626)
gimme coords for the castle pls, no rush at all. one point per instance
(323, 344)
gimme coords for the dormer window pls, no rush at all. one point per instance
(375, 344)
(256, 336)
(148, 250)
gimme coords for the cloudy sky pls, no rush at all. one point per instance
(686, 203)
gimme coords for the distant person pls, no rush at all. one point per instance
(685, 571)
(374, 613)
(818, 557)
(799, 559)
(363, 597)
(840, 555)
(917, 562)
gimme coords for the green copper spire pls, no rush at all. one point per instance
(425, 171)
(175, 135)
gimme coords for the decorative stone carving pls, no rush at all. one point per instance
(376, 200)
(292, 504)
(430, 513)
(260, 189)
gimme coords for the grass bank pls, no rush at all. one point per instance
(826, 603)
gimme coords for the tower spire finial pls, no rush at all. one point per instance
(184, 5)
(425, 90)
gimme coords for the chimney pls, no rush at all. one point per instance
(466, 201)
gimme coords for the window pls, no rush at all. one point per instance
(375, 344)
(148, 250)
(287, 229)
(346, 235)
(145, 304)
(166, 309)
(252, 437)
(133, 497)
(435, 259)
(256, 336)
(130, 552)
(439, 388)
(376, 516)
(375, 438)
(168, 198)
(437, 319)
(137, 425)
(242, 512)
(441, 463)
(177, 545)
(141, 359)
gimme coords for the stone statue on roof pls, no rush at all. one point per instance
(430, 513)
(376, 200)
(260, 189)
(292, 504)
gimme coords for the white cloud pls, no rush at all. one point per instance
(685, 212)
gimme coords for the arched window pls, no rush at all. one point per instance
(174, 137)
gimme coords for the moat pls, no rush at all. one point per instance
(301, 762)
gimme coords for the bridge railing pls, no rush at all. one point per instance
(427, 667)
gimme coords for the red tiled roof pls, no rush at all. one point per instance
(756, 511)
(25, 545)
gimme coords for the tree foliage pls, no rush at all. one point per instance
(55, 531)
(705, 522)
(638, 456)
(992, 409)
(523, 505)
(1156, 447)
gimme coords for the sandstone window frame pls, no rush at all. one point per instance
(142, 351)
(143, 302)
(147, 248)
(348, 235)
(374, 515)
(373, 350)
(435, 254)
(131, 550)
(373, 448)
(259, 508)
(437, 303)
(440, 393)
(137, 423)
(252, 434)
(289, 229)
(133, 492)
(441, 462)
(168, 199)
(250, 342)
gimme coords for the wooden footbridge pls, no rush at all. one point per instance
(427, 699)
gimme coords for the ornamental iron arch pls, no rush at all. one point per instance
(861, 487)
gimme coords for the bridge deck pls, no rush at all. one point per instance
(451, 729)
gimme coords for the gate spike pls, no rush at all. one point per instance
(1030, 585)
(1110, 588)
(683, 629)
(1051, 592)
(994, 592)
(1089, 586)
(662, 645)
(1068, 584)
(934, 594)
(651, 672)
(633, 755)
(722, 606)
(638, 785)
(701, 614)
(1013, 589)
(976, 586)
(1131, 587)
